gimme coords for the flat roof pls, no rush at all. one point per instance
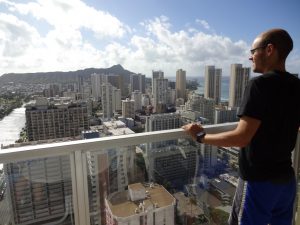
(120, 206)
(136, 186)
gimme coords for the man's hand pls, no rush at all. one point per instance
(193, 129)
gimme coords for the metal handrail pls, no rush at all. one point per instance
(65, 148)
(76, 148)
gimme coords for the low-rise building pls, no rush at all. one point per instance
(141, 204)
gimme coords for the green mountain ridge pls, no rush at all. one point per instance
(61, 77)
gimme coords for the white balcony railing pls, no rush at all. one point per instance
(84, 175)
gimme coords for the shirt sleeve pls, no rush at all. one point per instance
(253, 103)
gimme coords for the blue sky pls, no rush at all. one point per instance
(65, 35)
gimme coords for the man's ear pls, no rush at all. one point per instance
(270, 49)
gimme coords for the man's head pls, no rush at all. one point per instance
(270, 50)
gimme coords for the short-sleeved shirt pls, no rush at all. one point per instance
(274, 99)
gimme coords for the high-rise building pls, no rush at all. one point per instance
(137, 97)
(155, 75)
(165, 121)
(80, 84)
(116, 81)
(151, 204)
(128, 108)
(224, 115)
(239, 79)
(117, 104)
(175, 163)
(109, 171)
(160, 94)
(40, 191)
(97, 80)
(84, 87)
(134, 82)
(46, 120)
(137, 82)
(180, 83)
(145, 100)
(205, 106)
(212, 87)
(52, 90)
(171, 96)
(111, 100)
(209, 158)
(184, 158)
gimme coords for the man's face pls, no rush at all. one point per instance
(258, 56)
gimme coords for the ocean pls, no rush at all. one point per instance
(224, 87)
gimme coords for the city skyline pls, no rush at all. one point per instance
(45, 36)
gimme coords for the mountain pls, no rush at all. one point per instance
(60, 77)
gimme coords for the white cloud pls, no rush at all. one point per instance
(66, 47)
(73, 14)
(167, 50)
(16, 36)
(22, 49)
(203, 23)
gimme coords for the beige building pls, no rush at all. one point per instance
(180, 83)
(205, 106)
(212, 83)
(142, 204)
(128, 108)
(59, 119)
(239, 79)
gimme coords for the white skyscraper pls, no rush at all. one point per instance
(180, 83)
(155, 75)
(97, 80)
(137, 97)
(111, 99)
(107, 99)
(239, 79)
(160, 94)
(212, 88)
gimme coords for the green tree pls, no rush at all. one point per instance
(219, 216)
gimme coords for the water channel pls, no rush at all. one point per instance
(11, 126)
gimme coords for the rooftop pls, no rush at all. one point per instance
(157, 196)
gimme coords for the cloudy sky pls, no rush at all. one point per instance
(141, 35)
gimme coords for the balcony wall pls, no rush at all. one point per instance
(172, 180)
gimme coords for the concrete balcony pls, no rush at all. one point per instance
(90, 181)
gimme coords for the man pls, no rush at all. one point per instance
(267, 132)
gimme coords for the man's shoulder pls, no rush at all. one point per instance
(257, 81)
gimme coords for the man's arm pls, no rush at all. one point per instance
(239, 137)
